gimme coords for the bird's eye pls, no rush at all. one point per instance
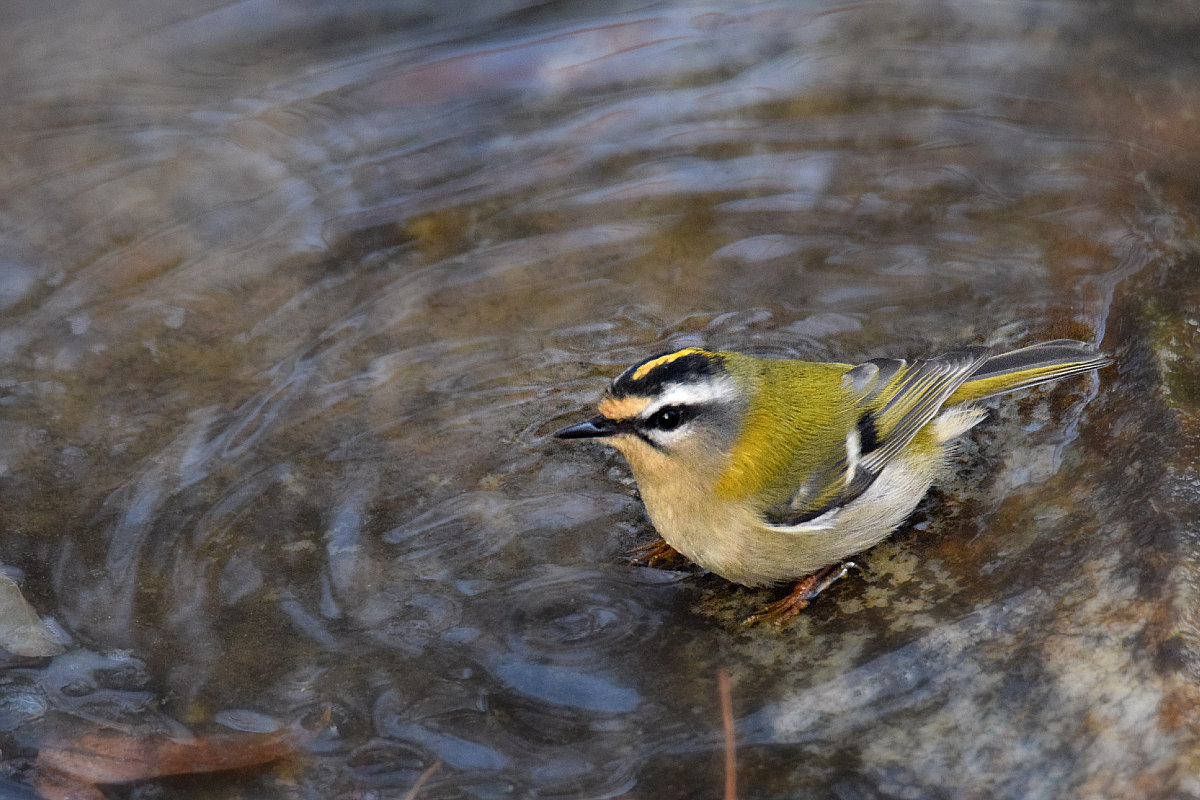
(667, 419)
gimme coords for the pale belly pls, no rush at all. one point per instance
(734, 543)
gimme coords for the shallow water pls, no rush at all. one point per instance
(293, 295)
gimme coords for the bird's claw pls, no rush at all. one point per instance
(803, 593)
(653, 554)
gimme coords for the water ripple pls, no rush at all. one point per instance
(294, 294)
(573, 617)
(474, 525)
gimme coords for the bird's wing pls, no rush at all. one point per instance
(896, 400)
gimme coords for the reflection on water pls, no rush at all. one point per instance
(292, 295)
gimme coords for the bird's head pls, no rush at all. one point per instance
(678, 411)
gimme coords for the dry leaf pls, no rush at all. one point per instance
(109, 756)
(53, 785)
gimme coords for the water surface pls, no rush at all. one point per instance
(294, 293)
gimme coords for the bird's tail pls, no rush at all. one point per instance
(1029, 366)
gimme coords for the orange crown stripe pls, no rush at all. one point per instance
(623, 408)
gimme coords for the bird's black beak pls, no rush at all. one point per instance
(593, 428)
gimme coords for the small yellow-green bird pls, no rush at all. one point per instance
(771, 470)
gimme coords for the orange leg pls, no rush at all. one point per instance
(801, 595)
(653, 554)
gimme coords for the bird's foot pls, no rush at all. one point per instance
(653, 554)
(801, 595)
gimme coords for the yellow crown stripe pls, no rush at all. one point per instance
(653, 364)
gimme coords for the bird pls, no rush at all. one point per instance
(767, 471)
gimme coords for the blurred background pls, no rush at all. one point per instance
(293, 292)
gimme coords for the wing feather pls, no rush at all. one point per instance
(896, 400)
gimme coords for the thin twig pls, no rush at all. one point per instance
(730, 743)
(412, 793)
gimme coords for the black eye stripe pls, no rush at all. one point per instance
(668, 418)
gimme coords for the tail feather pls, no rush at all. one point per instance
(1028, 366)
